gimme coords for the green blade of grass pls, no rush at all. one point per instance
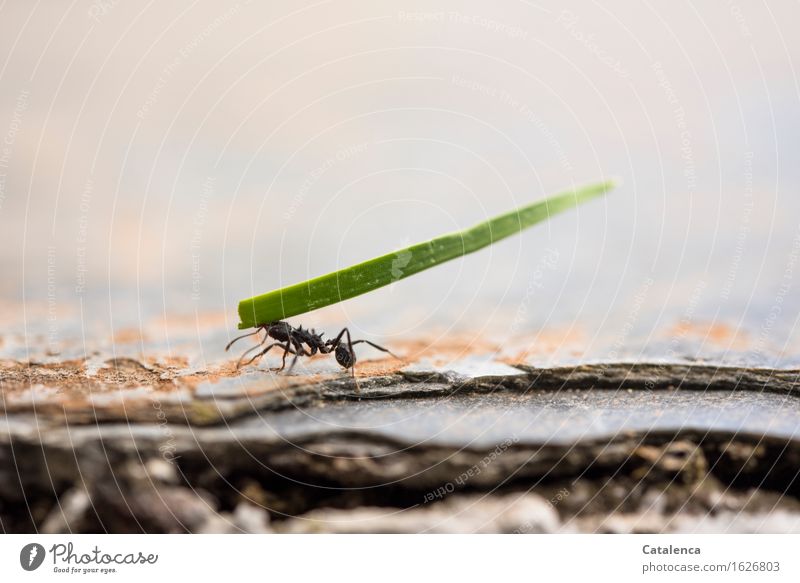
(370, 275)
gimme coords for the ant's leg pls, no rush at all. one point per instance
(245, 336)
(263, 352)
(286, 351)
(294, 362)
(335, 342)
(378, 347)
(299, 351)
(251, 349)
(353, 355)
(256, 356)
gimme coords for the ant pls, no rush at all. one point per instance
(302, 342)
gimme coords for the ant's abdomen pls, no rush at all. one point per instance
(344, 357)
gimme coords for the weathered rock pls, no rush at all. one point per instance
(527, 513)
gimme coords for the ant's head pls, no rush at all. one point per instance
(344, 356)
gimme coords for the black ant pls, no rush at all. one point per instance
(302, 342)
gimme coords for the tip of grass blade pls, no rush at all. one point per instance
(613, 182)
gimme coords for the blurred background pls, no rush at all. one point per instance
(160, 162)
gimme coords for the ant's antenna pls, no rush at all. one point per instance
(244, 336)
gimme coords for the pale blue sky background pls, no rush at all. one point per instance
(222, 151)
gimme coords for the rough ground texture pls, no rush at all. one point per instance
(456, 437)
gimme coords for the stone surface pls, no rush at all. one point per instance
(611, 448)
